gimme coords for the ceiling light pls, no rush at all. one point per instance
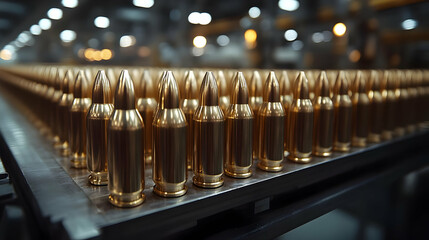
(409, 24)
(35, 30)
(101, 22)
(70, 3)
(288, 5)
(127, 41)
(45, 24)
(291, 35)
(254, 12)
(205, 18)
(200, 41)
(55, 13)
(222, 40)
(194, 17)
(68, 36)
(143, 3)
(339, 29)
(317, 37)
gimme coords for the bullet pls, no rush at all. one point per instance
(323, 121)
(375, 123)
(342, 114)
(224, 100)
(389, 105)
(360, 113)
(286, 100)
(64, 105)
(146, 105)
(54, 107)
(169, 142)
(209, 136)
(255, 102)
(412, 101)
(189, 105)
(97, 121)
(271, 127)
(300, 122)
(401, 111)
(78, 112)
(239, 121)
(125, 154)
(421, 91)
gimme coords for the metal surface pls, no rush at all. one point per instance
(67, 205)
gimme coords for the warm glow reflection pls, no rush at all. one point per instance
(200, 41)
(98, 55)
(250, 35)
(339, 29)
(354, 56)
(5, 54)
(89, 54)
(106, 54)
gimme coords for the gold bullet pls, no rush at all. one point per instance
(96, 122)
(402, 108)
(239, 121)
(255, 102)
(300, 122)
(189, 105)
(421, 91)
(412, 101)
(360, 113)
(146, 105)
(125, 154)
(389, 105)
(342, 114)
(323, 117)
(54, 108)
(375, 123)
(271, 127)
(78, 112)
(224, 100)
(286, 100)
(209, 136)
(169, 142)
(63, 112)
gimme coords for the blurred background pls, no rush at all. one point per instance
(298, 34)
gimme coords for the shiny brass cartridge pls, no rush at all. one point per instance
(125, 153)
(189, 105)
(146, 105)
(300, 122)
(412, 101)
(375, 123)
(239, 121)
(96, 122)
(64, 116)
(286, 100)
(209, 136)
(54, 108)
(360, 113)
(323, 117)
(389, 105)
(271, 127)
(342, 114)
(78, 111)
(224, 95)
(255, 102)
(403, 107)
(169, 142)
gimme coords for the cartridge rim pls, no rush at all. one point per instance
(270, 165)
(98, 179)
(238, 175)
(322, 154)
(299, 159)
(118, 202)
(174, 194)
(202, 184)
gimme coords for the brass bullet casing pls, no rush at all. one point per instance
(189, 105)
(401, 111)
(300, 122)
(255, 102)
(420, 115)
(342, 114)
(239, 126)
(209, 136)
(224, 96)
(169, 142)
(54, 105)
(412, 101)
(78, 111)
(63, 112)
(286, 100)
(271, 127)
(389, 105)
(125, 154)
(146, 105)
(323, 122)
(360, 113)
(96, 134)
(375, 123)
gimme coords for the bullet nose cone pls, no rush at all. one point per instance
(359, 83)
(191, 87)
(256, 85)
(65, 84)
(81, 86)
(284, 84)
(221, 83)
(209, 91)
(341, 84)
(271, 88)
(374, 82)
(322, 87)
(101, 92)
(146, 87)
(124, 94)
(169, 94)
(301, 87)
(240, 93)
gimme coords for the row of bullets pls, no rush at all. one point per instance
(217, 126)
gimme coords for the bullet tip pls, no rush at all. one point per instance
(256, 85)
(284, 84)
(209, 91)
(124, 94)
(191, 87)
(301, 90)
(81, 86)
(240, 93)
(169, 94)
(101, 92)
(341, 84)
(322, 88)
(271, 88)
